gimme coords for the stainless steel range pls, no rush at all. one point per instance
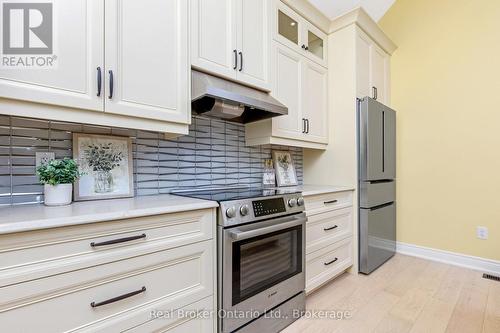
(261, 253)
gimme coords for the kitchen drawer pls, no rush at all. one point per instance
(173, 278)
(194, 318)
(329, 201)
(376, 193)
(29, 255)
(325, 264)
(327, 228)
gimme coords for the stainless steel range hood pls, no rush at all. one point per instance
(215, 97)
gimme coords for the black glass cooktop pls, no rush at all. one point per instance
(232, 193)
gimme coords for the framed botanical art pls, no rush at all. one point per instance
(285, 171)
(106, 162)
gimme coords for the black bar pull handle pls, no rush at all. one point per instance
(241, 61)
(307, 126)
(303, 125)
(331, 262)
(111, 84)
(118, 298)
(331, 228)
(330, 202)
(235, 59)
(99, 81)
(118, 240)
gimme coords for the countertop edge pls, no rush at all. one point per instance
(68, 221)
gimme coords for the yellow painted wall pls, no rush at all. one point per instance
(446, 89)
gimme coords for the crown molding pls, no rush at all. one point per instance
(359, 17)
(310, 13)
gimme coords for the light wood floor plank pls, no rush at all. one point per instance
(404, 295)
(468, 315)
(492, 315)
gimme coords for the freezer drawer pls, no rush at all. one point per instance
(373, 194)
(377, 233)
(377, 140)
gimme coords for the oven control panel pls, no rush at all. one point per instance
(235, 212)
(268, 207)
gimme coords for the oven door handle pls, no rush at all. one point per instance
(238, 235)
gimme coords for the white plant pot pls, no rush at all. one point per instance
(58, 195)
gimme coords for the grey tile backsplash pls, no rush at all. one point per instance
(213, 154)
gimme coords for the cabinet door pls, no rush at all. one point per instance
(315, 101)
(147, 67)
(363, 84)
(213, 36)
(287, 26)
(287, 88)
(77, 40)
(315, 44)
(379, 64)
(253, 42)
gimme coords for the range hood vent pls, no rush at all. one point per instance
(215, 97)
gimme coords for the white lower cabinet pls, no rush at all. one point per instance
(194, 318)
(329, 237)
(125, 292)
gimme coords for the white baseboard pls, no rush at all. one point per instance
(452, 258)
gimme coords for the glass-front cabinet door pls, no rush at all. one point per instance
(288, 26)
(315, 44)
(296, 32)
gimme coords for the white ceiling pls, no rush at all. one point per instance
(334, 8)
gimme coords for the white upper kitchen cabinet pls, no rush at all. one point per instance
(372, 70)
(127, 59)
(287, 88)
(292, 30)
(147, 62)
(301, 85)
(72, 80)
(315, 102)
(213, 36)
(231, 38)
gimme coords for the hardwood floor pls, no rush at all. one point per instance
(407, 294)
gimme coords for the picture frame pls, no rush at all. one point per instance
(284, 168)
(107, 165)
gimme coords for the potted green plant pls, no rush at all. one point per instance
(58, 177)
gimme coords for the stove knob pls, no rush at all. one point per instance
(231, 212)
(300, 201)
(244, 210)
(292, 202)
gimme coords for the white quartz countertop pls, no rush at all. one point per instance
(33, 217)
(308, 190)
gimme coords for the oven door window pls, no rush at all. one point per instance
(263, 261)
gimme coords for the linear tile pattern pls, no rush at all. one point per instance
(213, 154)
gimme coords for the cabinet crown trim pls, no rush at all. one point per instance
(361, 18)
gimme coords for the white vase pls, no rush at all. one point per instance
(58, 195)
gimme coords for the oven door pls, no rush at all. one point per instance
(262, 266)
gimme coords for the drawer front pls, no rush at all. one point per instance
(62, 302)
(324, 202)
(376, 193)
(30, 255)
(195, 318)
(327, 228)
(325, 264)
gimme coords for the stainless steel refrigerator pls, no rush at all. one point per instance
(377, 184)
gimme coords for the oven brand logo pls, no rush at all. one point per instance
(28, 35)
